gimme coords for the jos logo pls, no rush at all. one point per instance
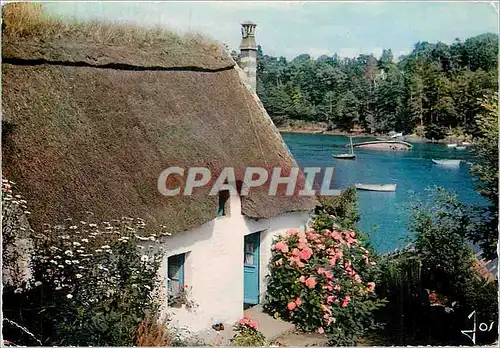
(482, 327)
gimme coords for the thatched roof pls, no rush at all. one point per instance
(94, 125)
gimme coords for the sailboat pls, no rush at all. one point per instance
(349, 156)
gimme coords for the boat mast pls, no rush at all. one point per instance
(352, 150)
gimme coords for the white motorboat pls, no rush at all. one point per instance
(447, 162)
(375, 187)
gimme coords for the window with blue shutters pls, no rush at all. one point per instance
(175, 274)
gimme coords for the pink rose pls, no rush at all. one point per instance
(306, 253)
(298, 301)
(296, 260)
(357, 278)
(331, 299)
(371, 286)
(302, 279)
(346, 301)
(291, 306)
(291, 232)
(281, 246)
(320, 330)
(328, 275)
(311, 282)
(321, 270)
(295, 252)
(337, 236)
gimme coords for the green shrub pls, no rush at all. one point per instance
(434, 285)
(91, 284)
(322, 280)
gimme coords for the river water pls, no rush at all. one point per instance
(385, 215)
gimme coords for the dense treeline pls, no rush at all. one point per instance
(433, 89)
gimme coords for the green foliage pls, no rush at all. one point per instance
(92, 283)
(343, 207)
(440, 263)
(435, 131)
(486, 170)
(436, 85)
(247, 334)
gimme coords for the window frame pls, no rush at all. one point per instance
(182, 260)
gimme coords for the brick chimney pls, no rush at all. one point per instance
(248, 56)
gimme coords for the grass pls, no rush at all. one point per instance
(29, 20)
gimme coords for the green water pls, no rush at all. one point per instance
(385, 215)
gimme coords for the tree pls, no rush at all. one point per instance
(347, 112)
(435, 131)
(386, 59)
(486, 171)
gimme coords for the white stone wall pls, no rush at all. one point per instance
(214, 265)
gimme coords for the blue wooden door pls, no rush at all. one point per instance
(251, 268)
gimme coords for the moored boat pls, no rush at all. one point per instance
(349, 156)
(385, 145)
(376, 187)
(460, 147)
(451, 145)
(396, 135)
(447, 162)
(345, 156)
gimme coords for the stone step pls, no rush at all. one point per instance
(270, 327)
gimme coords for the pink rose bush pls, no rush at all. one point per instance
(247, 333)
(322, 280)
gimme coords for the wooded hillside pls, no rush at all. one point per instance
(431, 90)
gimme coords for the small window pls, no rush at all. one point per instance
(175, 274)
(223, 198)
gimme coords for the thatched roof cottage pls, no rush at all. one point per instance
(98, 111)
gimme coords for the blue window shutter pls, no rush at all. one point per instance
(181, 270)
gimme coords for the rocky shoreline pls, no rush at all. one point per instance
(412, 138)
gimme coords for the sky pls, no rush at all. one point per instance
(292, 28)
